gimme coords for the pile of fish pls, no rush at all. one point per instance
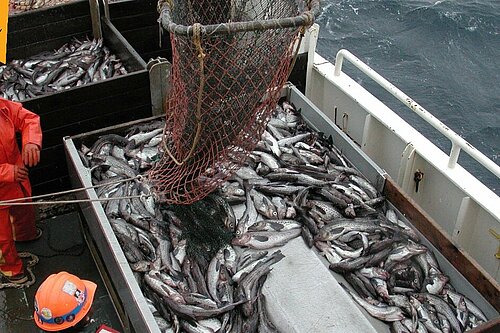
(295, 183)
(26, 5)
(298, 182)
(19, 6)
(74, 64)
(222, 294)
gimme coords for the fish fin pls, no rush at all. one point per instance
(261, 238)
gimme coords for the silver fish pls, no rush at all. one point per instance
(388, 313)
(262, 240)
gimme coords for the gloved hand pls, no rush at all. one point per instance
(20, 173)
(31, 154)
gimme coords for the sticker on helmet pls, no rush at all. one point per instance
(46, 313)
(80, 296)
(69, 288)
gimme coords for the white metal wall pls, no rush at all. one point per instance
(463, 206)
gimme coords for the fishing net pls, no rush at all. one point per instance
(230, 61)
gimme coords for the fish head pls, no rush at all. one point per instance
(414, 301)
(462, 305)
(415, 283)
(322, 246)
(229, 223)
(242, 240)
(416, 248)
(238, 233)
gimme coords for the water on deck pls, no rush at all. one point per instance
(61, 248)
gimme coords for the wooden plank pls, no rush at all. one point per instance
(147, 39)
(43, 16)
(121, 129)
(125, 8)
(492, 326)
(431, 230)
(69, 114)
(51, 153)
(56, 185)
(26, 51)
(136, 21)
(49, 172)
(79, 95)
(33, 35)
(54, 136)
(119, 45)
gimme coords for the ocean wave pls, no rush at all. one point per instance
(471, 16)
(445, 54)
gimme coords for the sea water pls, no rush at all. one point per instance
(444, 54)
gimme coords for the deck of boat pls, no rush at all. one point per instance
(61, 248)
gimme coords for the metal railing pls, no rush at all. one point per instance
(457, 142)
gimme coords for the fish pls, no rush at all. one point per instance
(74, 64)
(271, 199)
(441, 307)
(275, 225)
(262, 240)
(249, 216)
(388, 313)
(423, 313)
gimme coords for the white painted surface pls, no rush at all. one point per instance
(303, 296)
(387, 140)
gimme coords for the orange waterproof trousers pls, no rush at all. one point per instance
(10, 263)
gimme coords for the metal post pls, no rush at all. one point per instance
(458, 142)
(106, 8)
(95, 16)
(159, 82)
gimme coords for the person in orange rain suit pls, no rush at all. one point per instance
(17, 223)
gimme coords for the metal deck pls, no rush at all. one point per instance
(61, 248)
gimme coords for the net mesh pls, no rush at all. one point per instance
(230, 60)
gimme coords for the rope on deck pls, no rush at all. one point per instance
(31, 280)
(22, 201)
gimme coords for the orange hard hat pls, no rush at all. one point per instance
(62, 300)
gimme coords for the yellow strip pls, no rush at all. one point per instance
(4, 17)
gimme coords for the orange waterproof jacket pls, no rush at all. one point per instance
(14, 118)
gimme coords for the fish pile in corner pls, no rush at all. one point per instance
(74, 64)
(19, 6)
(295, 183)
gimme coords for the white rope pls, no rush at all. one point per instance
(15, 202)
(34, 260)
(6, 203)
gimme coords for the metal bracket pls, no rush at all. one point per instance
(95, 16)
(159, 82)
(106, 8)
(497, 236)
